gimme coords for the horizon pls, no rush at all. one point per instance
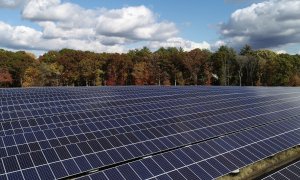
(39, 26)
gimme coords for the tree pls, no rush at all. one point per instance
(70, 60)
(222, 61)
(194, 61)
(32, 77)
(17, 63)
(141, 74)
(98, 77)
(119, 68)
(137, 55)
(5, 77)
(50, 57)
(266, 67)
(246, 50)
(295, 80)
(295, 74)
(87, 70)
(241, 62)
(50, 73)
(179, 78)
(166, 66)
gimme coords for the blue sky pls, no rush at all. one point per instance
(120, 25)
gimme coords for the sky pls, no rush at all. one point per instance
(121, 25)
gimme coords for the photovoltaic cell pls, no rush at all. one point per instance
(143, 132)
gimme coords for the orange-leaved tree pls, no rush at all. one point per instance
(5, 77)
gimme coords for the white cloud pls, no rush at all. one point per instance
(21, 37)
(68, 25)
(218, 44)
(67, 19)
(51, 10)
(11, 3)
(280, 52)
(180, 42)
(268, 24)
(62, 15)
(138, 23)
(52, 30)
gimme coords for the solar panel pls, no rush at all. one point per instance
(290, 172)
(217, 157)
(142, 132)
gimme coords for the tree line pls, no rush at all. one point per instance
(166, 66)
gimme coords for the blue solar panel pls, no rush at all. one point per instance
(68, 132)
(189, 161)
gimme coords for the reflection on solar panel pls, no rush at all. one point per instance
(143, 132)
(290, 172)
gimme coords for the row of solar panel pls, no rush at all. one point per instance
(41, 98)
(213, 158)
(207, 122)
(97, 91)
(42, 109)
(60, 136)
(121, 94)
(97, 140)
(114, 150)
(112, 94)
(114, 114)
(290, 172)
(144, 121)
(104, 91)
(16, 91)
(102, 100)
(105, 104)
(39, 106)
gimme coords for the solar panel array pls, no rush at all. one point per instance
(290, 172)
(143, 132)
